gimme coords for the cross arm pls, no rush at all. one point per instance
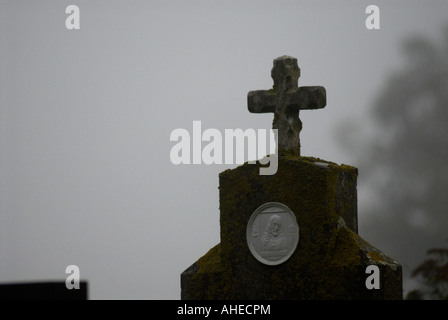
(261, 101)
(309, 98)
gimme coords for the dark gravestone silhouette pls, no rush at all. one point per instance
(43, 291)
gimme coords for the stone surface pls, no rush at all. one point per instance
(330, 260)
(285, 100)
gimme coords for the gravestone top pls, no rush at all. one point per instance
(285, 100)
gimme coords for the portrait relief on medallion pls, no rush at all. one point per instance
(272, 233)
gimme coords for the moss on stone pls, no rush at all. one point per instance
(211, 261)
(345, 251)
(375, 256)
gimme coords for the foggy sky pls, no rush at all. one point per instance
(86, 117)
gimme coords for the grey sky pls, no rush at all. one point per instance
(86, 116)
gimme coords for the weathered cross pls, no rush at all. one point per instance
(285, 100)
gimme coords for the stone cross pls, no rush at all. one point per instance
(285, 100)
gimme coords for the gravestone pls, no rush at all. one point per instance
(50, 290)
(292, 235)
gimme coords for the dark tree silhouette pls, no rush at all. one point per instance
(434, 273)
(404, 165)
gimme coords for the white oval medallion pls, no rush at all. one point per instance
(272, 233)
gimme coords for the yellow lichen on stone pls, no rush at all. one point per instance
(211, 261)
(375, 256)
(346, 248)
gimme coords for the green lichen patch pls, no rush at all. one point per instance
(211, 262)
(375, 256)
(345, 248)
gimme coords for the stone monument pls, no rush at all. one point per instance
(292, 235)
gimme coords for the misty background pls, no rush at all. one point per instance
(86, 116)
